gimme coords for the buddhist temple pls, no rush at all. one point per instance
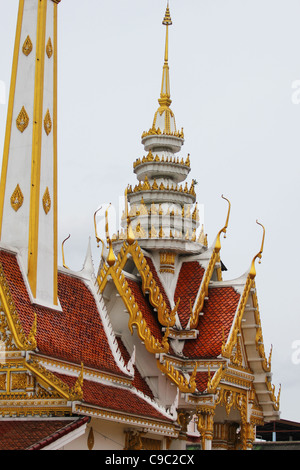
(147, 347)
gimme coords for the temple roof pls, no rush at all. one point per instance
(75, 334)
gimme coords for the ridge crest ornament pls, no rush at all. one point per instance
(46, 201)
(22, 120)
(17, 198)
(27, 46)
(47, 123)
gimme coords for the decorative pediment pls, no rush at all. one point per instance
(25, 393)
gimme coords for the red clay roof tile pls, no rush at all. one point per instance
(115, 398)
(35, 434)
(188, 284)
(214, 326)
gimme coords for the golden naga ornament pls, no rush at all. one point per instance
(49, 49)
(17, 198)
(47, 122)
(22, 120)
(46, 201)
(27, 46)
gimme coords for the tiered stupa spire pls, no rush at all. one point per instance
(163, 212)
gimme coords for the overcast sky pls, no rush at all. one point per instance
(235, 77)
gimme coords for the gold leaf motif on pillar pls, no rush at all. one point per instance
(27, 46)
(46, 201)
(47, 122)
(17, 198)
(49, 48)
(22, 120)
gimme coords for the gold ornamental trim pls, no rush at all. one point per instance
(155, 426)
(53, 381)
(157, 159)
(185, 385)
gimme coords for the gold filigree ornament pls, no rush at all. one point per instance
(46, 201)
(22, 120)
(27, 46)
(47, 122)
(49, 49)
(17, 198)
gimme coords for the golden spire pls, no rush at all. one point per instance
(165, 86)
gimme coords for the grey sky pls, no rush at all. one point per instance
(233, 64)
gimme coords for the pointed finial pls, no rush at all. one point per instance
(165, 86)
(98, 239)
(130, 234)
(259, 254)
(111, 256)
(224, 229)
(167, 21)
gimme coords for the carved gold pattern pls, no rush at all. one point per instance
(167, 263)
(184, 384)
(18, 381)
(169, 160)
(27, 46)
(47, 122)
(54, 382)
(205, 425)
(2, 381)
(168, 429)
(22, 120)
(17, 198)
(133, 440)
(49, 48)
(46, 201)
(145, 186)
